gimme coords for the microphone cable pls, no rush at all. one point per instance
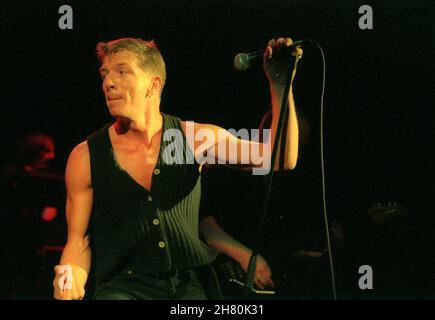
(322, 173)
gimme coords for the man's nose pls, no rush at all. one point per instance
(108, 84)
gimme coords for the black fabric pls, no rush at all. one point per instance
(122, 230)
(175, 285)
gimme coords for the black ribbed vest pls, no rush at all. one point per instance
(149, 232)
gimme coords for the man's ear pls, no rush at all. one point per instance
(156, 85)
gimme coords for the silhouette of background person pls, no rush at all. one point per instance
(32, 220)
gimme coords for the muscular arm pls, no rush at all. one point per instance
(77, 252)
(291, 147)
(217, 143)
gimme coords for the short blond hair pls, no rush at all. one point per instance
(149, 57)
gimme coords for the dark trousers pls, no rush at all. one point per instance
(174, 285)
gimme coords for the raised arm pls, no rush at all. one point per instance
(277, 73)
(224, 147)
(75, 263)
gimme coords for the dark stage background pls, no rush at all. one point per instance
(379, 110)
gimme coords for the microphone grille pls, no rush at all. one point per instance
(241, 61)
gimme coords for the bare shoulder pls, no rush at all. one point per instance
(78, 165)
(81, 149)
(80, 154)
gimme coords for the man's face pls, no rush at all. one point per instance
(125, 85)
(46, 155)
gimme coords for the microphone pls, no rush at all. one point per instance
(243, 61)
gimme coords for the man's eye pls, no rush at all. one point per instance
(102, 76)
(122, 72)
